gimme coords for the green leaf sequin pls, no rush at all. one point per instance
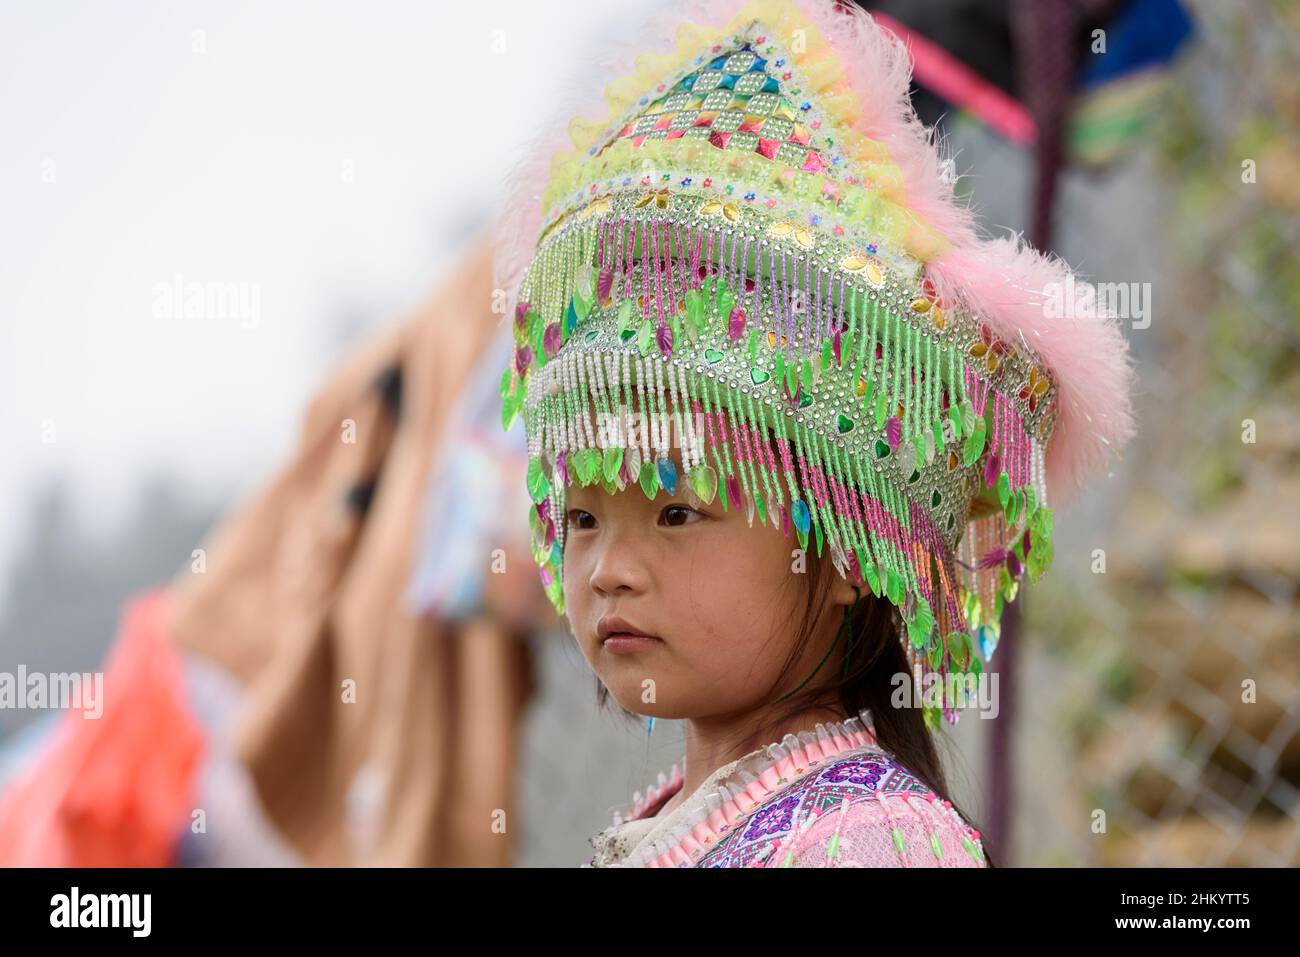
(613, 459)
(538, 486)
(955, 417)
(645, 337)
(703, 480)
(509, 409)
(873, 580)
(894, 587)
(974, 443)
(694, 311)
(649, 480)
(586, 463)
(726, 302)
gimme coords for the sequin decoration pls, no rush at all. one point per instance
(735, 103)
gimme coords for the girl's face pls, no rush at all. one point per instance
(722, 598)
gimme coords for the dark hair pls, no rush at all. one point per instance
(875, 656)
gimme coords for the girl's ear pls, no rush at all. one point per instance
(842, 590)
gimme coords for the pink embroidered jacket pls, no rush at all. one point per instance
(830, 799)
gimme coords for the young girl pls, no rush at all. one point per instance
(734, 623)
(748, 293)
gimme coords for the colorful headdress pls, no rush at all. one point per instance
(762, 231)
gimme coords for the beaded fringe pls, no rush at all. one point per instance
(920, 390)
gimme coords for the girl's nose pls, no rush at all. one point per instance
(617, 566)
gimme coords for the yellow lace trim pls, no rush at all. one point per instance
(889, 222)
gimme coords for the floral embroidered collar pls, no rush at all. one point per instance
(733, 791)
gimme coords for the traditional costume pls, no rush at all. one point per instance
(760, 230)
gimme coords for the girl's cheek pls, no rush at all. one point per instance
(576, 576)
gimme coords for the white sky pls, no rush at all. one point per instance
(227, 166)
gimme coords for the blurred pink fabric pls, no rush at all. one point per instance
(116, 790)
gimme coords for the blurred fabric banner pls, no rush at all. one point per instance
(370, 731)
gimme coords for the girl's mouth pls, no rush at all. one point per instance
(622, 643)
(621, 636)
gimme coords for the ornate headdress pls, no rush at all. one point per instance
(761, 240)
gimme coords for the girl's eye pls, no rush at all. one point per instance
(576, 516)
(680, 515)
